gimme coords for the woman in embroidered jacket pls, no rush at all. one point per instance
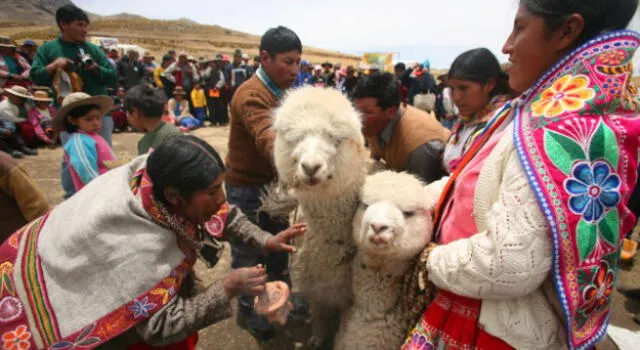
(117, 258)
(530, 224)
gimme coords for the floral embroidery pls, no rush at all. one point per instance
(6, 270)
(80, 341)
(142, 308)
(596, 295)
(612, 58)
(10, 309)
(567, 94)
(17, 339)
(418, 342)
(593, 190)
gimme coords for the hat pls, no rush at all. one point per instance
(225, 57)
(219, 57)
(237, 53)
(304, 63)
(179, 90)
(148, 54)
(41, 96)
(343, 72)
(245, 56)
(5, 41)
(317, 67)
(76, 100)
(191, 58)
(166, 58)
(19, 91)
(29, 43)
(35, 88)
(327, 64)
(182, 53)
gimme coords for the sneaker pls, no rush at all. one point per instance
(28, 151)
(16, 154)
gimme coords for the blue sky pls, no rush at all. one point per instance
(415, 29)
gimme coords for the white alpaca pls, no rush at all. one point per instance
(390, 229)
(320, 158)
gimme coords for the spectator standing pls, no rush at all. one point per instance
(199, 102)
(118, 113)
(69, 52)
(214, 83)
(182, 73)
(237, 72)
(318, 77)
(161, 80)
(130, 70)
(304, 75)
(350, 81)
(149, 67)
(14, 69)
(250, 158)
(256, 63)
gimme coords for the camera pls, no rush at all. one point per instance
(83, 60)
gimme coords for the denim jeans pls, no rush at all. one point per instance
(244, 255)
(65, 176)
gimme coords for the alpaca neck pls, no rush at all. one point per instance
(395, 267)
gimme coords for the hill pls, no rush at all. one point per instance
(34, 19)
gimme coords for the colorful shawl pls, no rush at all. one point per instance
(95, 266)
(577, 135)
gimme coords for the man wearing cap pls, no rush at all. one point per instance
(304, 75)
(130, 70)
(70, 52)
(237, 72)
(14, 122)
(214, 83)
(250, 158)
(28, 50)
(14, 69)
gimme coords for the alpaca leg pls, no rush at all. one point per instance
(322, 323)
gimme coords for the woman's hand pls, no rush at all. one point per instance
(245, 281)
(280, 242)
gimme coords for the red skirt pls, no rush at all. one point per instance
(451, 322)
(187, 344)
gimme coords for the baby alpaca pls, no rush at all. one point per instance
(391, 227)
(320, 158)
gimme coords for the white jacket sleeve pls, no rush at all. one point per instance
(511, 258)
(168, 73)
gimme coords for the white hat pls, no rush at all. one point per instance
(78, 99)
(19, 91)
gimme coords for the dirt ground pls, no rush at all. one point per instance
(45, 169)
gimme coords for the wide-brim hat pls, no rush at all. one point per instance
(78, 99)
(179, 91)
(19, 91)
(327, 64)
(148, 54)
(5, 41)
(41, 96)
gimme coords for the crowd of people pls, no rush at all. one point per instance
(556, 136)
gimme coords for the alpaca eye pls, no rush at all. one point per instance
(409, 214)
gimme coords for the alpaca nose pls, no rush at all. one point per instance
(378, 228)
(311, 168)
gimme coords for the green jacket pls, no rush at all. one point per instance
(93, 84)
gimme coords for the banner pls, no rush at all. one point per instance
(376, 60)
(104, 42)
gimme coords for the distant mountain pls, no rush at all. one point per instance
(30, 10)
(34, 19)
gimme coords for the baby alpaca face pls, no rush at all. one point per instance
(394, 220)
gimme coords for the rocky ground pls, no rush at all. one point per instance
(45, 169)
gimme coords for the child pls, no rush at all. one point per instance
(145, 106)
(199, 101)
(41, 118)
(15, 126)
(180, 109)
(86, 151)
(118, 114)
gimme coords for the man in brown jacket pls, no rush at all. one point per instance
(250, 159)
(20, 198)
(407, 138)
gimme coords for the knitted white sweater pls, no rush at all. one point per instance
(507, 263)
